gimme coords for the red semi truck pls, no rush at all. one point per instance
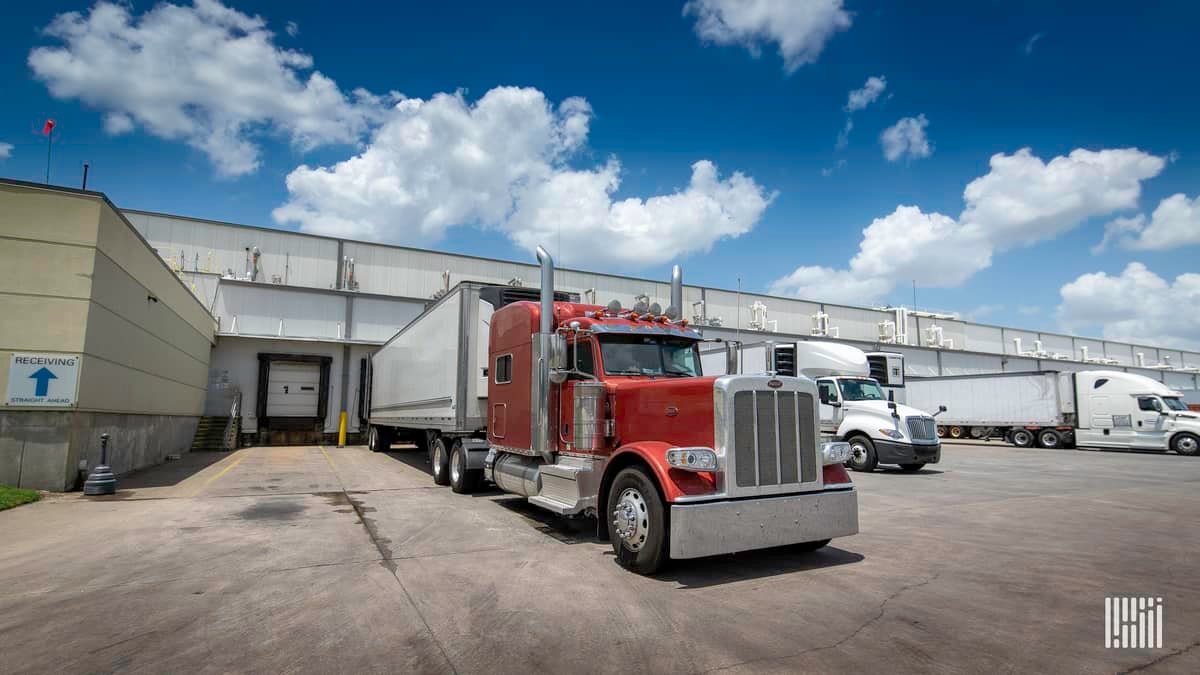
(599, 410)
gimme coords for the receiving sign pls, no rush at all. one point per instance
(43, 380)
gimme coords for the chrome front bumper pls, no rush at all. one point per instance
(713, 528)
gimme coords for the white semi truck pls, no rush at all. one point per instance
(856, 391)
(1051, 409)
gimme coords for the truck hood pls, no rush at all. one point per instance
(881, 408)
(678, 410)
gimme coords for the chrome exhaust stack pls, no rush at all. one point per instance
(544, 351)
(675, 310)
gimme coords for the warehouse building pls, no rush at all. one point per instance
(292, 318)
(97, 335)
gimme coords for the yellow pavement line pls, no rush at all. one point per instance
(327, 458)
(237, 460)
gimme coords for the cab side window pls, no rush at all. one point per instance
(503, 371)
(1149, 404)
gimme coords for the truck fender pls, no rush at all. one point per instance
(653, 454)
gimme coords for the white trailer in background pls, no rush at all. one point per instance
(857, 403)
(1050, 409)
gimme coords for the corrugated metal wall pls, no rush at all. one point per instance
(311, 261)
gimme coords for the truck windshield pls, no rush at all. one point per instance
(861, 390)
(649, 355)
(1175, 403)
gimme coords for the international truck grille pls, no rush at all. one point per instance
(774, 442)
(922, 428)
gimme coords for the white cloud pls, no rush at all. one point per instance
(501, 162)
(1032, 41)
(1021, 200)
(829, 285)
(843, 138)
(800, 29)
(906, 138)
(1174, 223)
(1136, 305)
(293, 28)
(861, 98)
(205, 74)
(6, 150)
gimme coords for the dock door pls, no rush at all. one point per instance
(293, 398)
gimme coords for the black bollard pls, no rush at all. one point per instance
(101, 481)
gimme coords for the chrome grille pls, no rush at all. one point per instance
(922, 428)
(773, 438)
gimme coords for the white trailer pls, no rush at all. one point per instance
(431, 378)
(1093, 408)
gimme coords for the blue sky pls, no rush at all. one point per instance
(662, 95)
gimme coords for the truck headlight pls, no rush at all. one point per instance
(892, 434)
(837, 452)
(692, 459)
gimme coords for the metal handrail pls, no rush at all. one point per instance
(233, 425)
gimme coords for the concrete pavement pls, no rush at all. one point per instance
(324, 559)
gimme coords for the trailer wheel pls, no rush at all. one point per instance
(1049, 439)
(941, 431)
(956, 432)
(1022, 438)
(862, 454)
(1186, 444)
(440, 459)
(379, 439)
(462, 480)
(639, 524)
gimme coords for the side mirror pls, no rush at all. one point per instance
(1163, 412)
(823, 394)
(892, 407)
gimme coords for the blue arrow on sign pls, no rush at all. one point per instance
(43, 378)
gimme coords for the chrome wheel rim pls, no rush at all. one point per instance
(1187, 444)
(1022, 438)
(858, 453)
(631, 519)
(455, 471)
(1050, 440)
(437, 460)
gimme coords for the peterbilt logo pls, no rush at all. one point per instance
(774, 384)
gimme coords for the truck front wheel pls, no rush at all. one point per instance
(862, 454)
(639, 524)
(1186, 444)
(440, 459)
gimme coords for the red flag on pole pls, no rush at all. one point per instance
(48, 128)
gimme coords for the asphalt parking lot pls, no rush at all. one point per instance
(322, 559)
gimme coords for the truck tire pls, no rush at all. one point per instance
(439, 460)
(912, 468)
(862, 454)
(1186, 444)
(1049, 439)
(941, 431)
(955, 432)
(1022, 438)
(462, 480)
(379, 439)
(639, 524)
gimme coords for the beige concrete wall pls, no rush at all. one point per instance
(75, 277)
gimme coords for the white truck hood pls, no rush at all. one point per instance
(881, 408)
